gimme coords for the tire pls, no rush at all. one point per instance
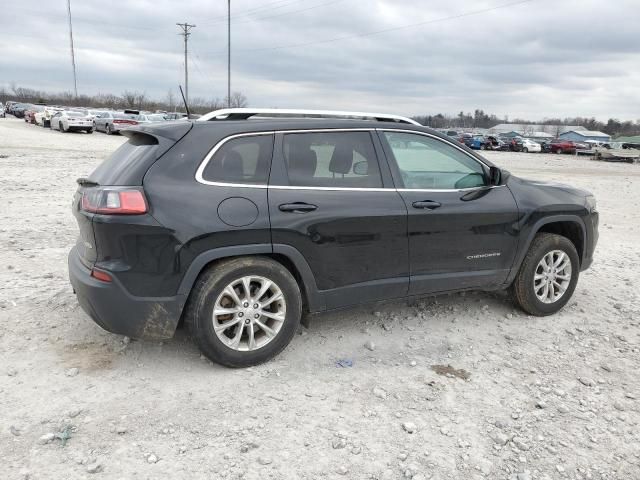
(107, 129)
(525, 150)
(559, 151)
(524, 289)
(210, 291)
(61, 128)
(89, 130)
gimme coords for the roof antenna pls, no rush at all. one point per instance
(186, 107)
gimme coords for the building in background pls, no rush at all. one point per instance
(526, 130)
(585, 135)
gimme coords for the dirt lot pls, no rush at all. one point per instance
(525, 398)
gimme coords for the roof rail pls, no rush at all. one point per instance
(246, 113)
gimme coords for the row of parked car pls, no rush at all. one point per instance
(68, 119)
(516, 144)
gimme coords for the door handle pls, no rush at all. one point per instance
(297, 207)
(428, 204)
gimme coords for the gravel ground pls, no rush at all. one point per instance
(523, 398)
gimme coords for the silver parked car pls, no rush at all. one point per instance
(145, 118)
(113, 122)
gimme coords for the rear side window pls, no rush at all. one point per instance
(245, 160)
(331, 159)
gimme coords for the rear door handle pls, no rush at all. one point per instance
(297, 207)
(428, 204)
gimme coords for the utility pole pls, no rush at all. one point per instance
(186, 31)
(229, 53)
(73, 57)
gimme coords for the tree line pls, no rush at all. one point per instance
(480, 119)
(173, 102)
(128, 99)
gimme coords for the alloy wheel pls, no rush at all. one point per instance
(552, 276)
(249, 313)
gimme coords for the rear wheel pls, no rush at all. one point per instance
(558, 151)
(525, 150)
(61, 127)
(244, 311)
(107, 129)
(89, 130)
(548, 275)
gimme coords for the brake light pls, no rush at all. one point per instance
(114, 201)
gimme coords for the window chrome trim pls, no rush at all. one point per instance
(216, 147)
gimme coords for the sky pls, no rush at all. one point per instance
(531, 59)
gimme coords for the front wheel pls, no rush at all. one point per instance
(244, 311)
(548, 275)
(107, 129)
(525, 150)
(89, 130)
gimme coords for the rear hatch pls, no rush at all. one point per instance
(125, 167)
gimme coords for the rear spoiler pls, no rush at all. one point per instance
(173, 131)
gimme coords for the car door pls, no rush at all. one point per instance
(462, 232)
(333, 201)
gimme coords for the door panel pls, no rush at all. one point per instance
(354, 238)
(461, 233)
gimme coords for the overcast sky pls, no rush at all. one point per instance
(533, 59)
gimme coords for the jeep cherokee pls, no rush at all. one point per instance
(241, 221)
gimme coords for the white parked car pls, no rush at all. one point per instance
(44, 117)
(72, 120)
(530, 146)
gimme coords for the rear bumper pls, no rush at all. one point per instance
(117, 311)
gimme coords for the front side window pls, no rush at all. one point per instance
(428, 163)
(244, 160)
(331, 159)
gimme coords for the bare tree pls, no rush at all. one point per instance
(171, 101)
(238, 100)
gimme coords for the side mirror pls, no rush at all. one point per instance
(361, 168)
(494, 176)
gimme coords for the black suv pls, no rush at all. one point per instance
(238, 226)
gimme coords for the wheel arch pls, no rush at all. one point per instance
(569, 226)
(286, 255)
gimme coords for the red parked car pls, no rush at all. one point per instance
(562, 146)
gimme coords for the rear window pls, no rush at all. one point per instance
(116, 167)
(245, 160)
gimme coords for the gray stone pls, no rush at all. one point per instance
(94, 467)
(409, 427)
(369, 345)
(72, 372)
(379, 392)
(264, 460)
(153, 458)
(46, 438)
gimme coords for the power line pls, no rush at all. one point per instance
(73, 56)
(186, 32)
(223, 18)
(249, 20)
(385, 30)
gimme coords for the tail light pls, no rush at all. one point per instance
(128, 122)
(114, 201)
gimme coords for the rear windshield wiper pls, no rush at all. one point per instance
(85, 182)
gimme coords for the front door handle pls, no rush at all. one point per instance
(428, 204)
(297, 207)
